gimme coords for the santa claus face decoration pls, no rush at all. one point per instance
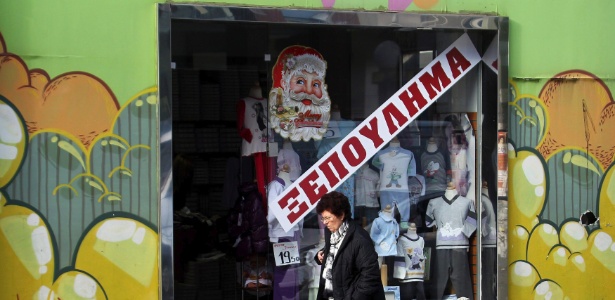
(299, 103)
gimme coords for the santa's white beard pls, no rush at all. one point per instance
(320, 106)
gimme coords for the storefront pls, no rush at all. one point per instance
(112, 115)
(399, 112)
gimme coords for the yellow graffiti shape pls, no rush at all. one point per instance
(528, 192)
(12, 143)
(27, 253)
(607, 202)
(74, 285)
(522, 278)
(2, 202)
(542, 240)
(574, 236)
(603, 250)
(548, 290)
(121, 252)
(518, 237)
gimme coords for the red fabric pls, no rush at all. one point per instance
(265, 169)
(261, 169)
(244, 133)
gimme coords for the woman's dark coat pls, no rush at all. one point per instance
(356, 274)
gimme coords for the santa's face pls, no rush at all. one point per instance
(299, 104)
(309, 84)
(307, 94)
(306, 90)
(305, 106)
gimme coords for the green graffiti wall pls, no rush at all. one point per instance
(561, 166)
(79, 149)
(78, 201)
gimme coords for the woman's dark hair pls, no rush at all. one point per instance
(336, 203)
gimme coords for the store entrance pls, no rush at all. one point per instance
(232, 142)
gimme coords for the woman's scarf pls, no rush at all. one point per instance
(336, 241)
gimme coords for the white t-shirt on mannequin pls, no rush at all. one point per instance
(274, 189)
(410, 246)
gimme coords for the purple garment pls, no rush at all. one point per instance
(248, 223)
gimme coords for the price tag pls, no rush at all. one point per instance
(286, 253)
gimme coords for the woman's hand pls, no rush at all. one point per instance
(321, 256)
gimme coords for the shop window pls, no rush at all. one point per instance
(260, 96)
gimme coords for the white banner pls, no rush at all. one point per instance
(375, 132)
(491, 55)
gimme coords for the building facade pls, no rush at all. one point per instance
(85, 183)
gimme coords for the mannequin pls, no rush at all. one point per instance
(288, 156)
(436, 168)
(387, 212)
(396, 164)
(252, 126)
(415, 134)
(275, 187)
(455, 219)
(395, 143)
(255, 91)
(284, 174)
(366, 190)
(285, 282)
(410, 246)
(335, 113)
(412, 231)
(451, 191)
(432, 145)
(457, 143)
(416, 185)
(384, 233)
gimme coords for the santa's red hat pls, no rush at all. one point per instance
(297, 58)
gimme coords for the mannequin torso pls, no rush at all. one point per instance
(274, 189)
(335, 115)
(285, 176)
(255, 91)
(384, 232)
(394, 145)
(411, 233)
(450, 192)
(432, 146)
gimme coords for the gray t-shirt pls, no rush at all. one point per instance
(455, 220)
